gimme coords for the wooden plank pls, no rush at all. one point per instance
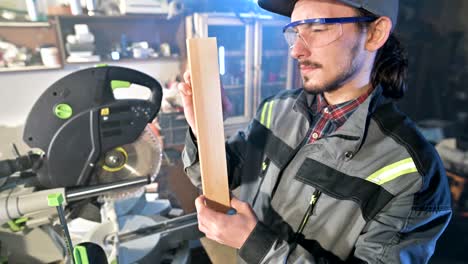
(206, 90)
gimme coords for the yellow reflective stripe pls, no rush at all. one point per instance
(262, 119)
(269, 114)
(393, 171)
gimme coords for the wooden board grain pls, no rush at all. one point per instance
(203, 62)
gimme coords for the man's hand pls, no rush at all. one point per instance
(230, 230)
(185, 89)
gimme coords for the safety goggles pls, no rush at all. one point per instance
(318, 32)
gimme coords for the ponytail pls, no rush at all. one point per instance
(390, 68)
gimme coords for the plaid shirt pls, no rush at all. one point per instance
(329, 118)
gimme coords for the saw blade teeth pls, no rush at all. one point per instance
(143, 158)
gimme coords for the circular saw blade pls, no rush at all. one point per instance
(142, 158)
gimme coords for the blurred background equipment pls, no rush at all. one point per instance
(454, 154)
(50, 56)
(80, 46)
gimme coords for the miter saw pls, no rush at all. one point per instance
(84, 131)
(97, 152)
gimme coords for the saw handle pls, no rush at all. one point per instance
(124, 77)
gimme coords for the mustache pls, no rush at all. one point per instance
(308, 63)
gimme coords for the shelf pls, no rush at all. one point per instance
(42, 68)
(24, 24)
(111, 31)
(125, 60)
(29, 68)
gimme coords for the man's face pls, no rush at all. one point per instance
(327, 68)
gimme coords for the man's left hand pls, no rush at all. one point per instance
(230, 230)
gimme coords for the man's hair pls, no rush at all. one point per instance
(390, 65)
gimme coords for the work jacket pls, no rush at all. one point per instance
(374, 191)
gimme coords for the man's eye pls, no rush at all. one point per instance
(318, 28)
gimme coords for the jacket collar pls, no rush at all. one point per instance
(355, 126)
(303, 103)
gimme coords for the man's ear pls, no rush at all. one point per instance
(378, 33)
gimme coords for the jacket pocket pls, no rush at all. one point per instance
(370, 197)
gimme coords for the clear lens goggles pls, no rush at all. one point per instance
(318, 32)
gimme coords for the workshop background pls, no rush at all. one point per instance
(42, 41)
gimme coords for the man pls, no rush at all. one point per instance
(332, 172)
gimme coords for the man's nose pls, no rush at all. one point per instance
(299, 49)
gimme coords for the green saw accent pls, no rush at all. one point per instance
(393, 171)
(114, 261)
(63, 111)
(13, 227)
(17, 224)
(55, 199)
(21, 220)
(80, 255)
(116, 84)
(101, 65)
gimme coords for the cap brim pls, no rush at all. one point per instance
(282, 7)
(285, 7)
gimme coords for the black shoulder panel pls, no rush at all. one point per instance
(434, 194)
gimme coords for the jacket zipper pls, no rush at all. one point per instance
(313, 201)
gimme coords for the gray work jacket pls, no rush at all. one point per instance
(375, 188)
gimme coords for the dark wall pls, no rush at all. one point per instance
(434, 33)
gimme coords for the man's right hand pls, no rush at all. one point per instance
(185, 90)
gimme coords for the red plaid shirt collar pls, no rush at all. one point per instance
(337, 113)
(329, 118)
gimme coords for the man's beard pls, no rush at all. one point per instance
(340, 80)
